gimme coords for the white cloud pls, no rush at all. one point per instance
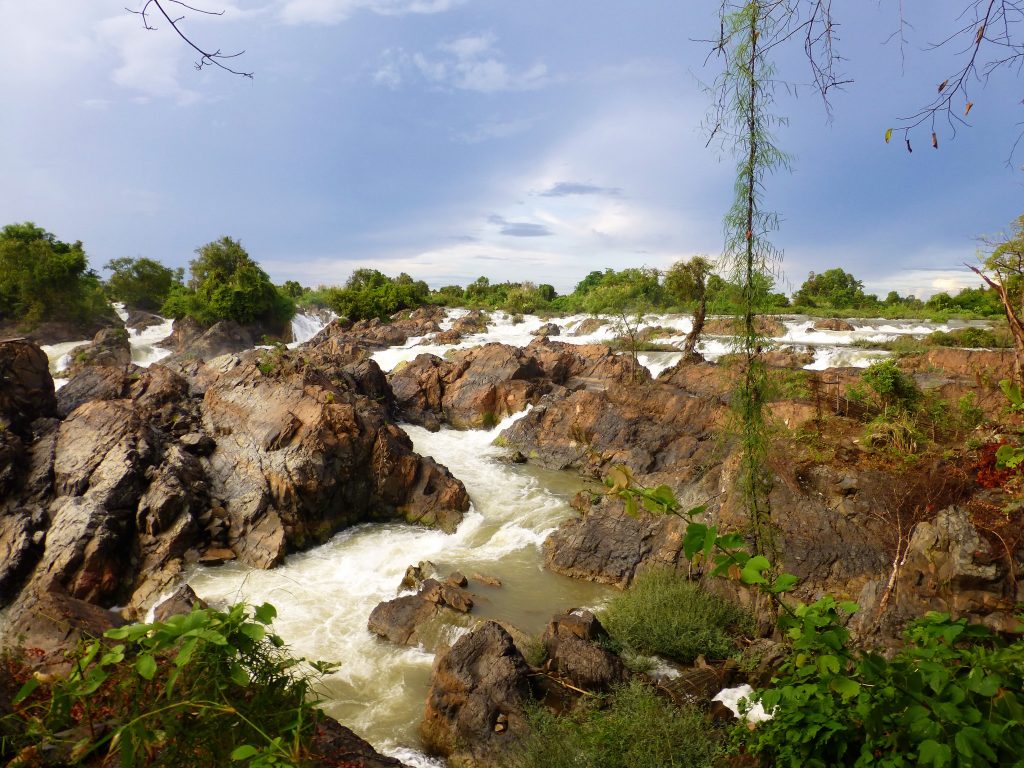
(150, 61)
(337, 11)
(468, 63)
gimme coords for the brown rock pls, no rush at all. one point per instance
(573, 644)
(27, 392)
(832, 324)
(481, 681)
(588, 326)
(109, 347)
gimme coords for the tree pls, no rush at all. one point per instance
(141, 283)
(43, 278)
(686, 281)
(833, 288)
(1006, 261)
(226, 284)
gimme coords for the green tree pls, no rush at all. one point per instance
(833, 288)
(43, 278)
(1006, 263)
(141, 283)
(293, 289)
(686, 282)
(226, 284)
(370, 293)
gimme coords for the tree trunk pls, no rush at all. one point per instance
(1012, 319)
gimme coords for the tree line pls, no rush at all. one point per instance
(43, 278)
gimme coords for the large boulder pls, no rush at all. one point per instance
(109, 347)
(832, 324)
(27, 392)
(420, 618)
(302, 452)
(478, 694)
(575, 643)
(472, 322)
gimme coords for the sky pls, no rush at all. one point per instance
(451, 139)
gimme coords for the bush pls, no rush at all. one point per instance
(209, 688)
(372, 294)
(42, 278)
(631, 728)
(891, 386)
(141, 283)
(667, 615)
(226, 284)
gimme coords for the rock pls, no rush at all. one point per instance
(832, 324)
(19, 550)
(27, 392)
(94, 383)
(109, 347)
(447, 337)
(588, 326)
(456, 579)
(474, 322)
(490, 581)
(183, 600)
(766, 325)
(140, 319)
(413, 619)
(197, 443)
(53, 622)
(415, 575)
(481, 682)
(302, 453)
(762, 659)
(549, 329)
(573, 644)
(335, 745)
(609, 546)
(788, 357)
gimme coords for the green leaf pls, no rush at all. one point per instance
(849, 606)
(751, 573)
(828, 663)
(253, 631)
(845, 687)
(784, 583)
(185, 654)
(693, 542)
(239, 676)
(244, 752)
(935, 754)
(265, 613)
(145, 665)
(731, 541)
(25, 691)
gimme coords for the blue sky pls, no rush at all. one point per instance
(455, 138)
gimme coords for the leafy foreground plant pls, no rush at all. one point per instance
(630, 728)
(665, 614)
(953, 695)
(209, 688)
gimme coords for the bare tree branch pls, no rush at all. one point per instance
(206, 58)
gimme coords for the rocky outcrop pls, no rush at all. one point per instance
(304, 449)
(27, 392)
(144, 475)
(478, 694)
(765, 325)
(548, 329)
(335, 745)
(832, 324)
(420, 618)
(575, 644)
(108, 348)
(140, 319)
(609, 546)
(478, 387)
(342, 336)
(446, 337)
(473, 322)
(588, 326)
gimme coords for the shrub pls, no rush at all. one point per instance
(209, 688)
(631, 728)
(667, 615)
(891, 386)
(141, 283)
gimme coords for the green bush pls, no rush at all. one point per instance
(891, 386)
(631, 728)
(226, 284)
(670, 616)
(208, 689)
(141, 283)
(44, 279)
(951, 696)
(372, 294)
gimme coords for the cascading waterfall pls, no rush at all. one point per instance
(325, 596)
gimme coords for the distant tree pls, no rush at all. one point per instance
(686, 282)
(141, 283)
(226, 284)
(833, 288)
(369, 293)
(293, 289)
(43, 278)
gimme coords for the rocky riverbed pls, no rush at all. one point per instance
(314, 476)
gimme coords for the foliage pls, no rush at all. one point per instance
(834, 288)
(891, 386)
(630, 728)
(208, 688)
(141, 283)
(369, 293)
(226, 284)
(951, 696)
(667, 615)
(43, 278)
